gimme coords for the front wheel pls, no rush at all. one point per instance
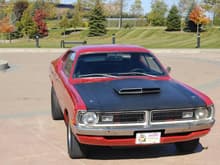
(188, 146)
(75, 149)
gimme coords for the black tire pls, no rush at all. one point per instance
(75, 149)
(56, 111)
(188, 146)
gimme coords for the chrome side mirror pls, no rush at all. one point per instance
(169, 69)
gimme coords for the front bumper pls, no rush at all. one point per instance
(130, 130)
(125, 135)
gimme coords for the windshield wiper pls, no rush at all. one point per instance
(135, 74)
(96, 75)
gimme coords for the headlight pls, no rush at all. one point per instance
(88, 118)
(212, 111)
(202, 113)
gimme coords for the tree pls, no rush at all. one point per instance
(27, 25)
(2, 5)
(48, 5)
(190, 26)
(112, 9)
(77, 15)
(97, 21)
(212, 6)
(137, 9)
(89, 4)
(184, 6)
(217, 18)
(2, 14)
(198, 17)
(173, 19)
(38, 18)
(19, 8)
(6, 27)
(157, 15)
(52, 14)
(64, 23)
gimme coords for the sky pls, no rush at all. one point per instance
(145, 3)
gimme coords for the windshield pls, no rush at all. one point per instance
(117, 64)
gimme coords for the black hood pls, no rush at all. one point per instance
(136, 94)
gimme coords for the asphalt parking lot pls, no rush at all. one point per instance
(28, 135)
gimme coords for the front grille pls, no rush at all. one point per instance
(170, 115)
(124, 117)
(128, 117)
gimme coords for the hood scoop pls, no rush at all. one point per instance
(136, 91)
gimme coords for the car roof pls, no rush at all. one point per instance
(108, 48)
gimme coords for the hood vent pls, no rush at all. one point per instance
(134, 91)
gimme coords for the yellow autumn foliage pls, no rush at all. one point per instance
(198, 16)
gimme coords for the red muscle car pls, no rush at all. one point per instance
(117, 95)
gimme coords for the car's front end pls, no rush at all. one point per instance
(124, 128)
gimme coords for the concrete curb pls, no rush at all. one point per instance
(3, 65)
(32, 50)
(185, 51)
(62, 50)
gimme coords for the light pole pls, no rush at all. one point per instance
(121, 14)
(198, 37)
(113, 38)
(37, 41)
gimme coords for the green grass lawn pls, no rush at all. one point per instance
(148, 37)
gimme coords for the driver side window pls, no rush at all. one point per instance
(68, 62)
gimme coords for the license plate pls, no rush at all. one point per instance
(148, 138)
